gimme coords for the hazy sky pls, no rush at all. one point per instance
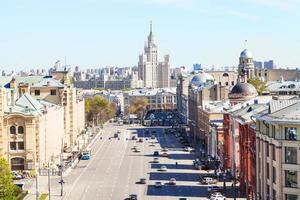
(94, 33)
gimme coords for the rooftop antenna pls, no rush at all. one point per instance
(245, 44)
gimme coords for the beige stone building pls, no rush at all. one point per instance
(38, 117)
(268, 75)
(224, 78)
(277, 151)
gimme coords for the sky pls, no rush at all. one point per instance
(97, 33)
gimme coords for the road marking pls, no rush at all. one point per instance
(83, 171)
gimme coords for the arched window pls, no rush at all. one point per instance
(12, 130)
(20, 129)
(17, 163)
(225, 75)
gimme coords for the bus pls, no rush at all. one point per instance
(86, 155)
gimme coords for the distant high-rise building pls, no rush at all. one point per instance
(154, 74)
(197, 67)
(269, 64)
(258, 64)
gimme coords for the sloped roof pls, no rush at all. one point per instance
(29, 102)
(49, 82)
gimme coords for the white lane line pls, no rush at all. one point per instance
(84, 170)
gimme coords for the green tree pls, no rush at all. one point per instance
(98, 109)
(8, 191)
(138, 106)
(258, 84)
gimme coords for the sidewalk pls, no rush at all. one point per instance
(30, 185)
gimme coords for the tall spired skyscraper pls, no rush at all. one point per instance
(154, 74)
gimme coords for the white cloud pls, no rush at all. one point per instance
(242, 15)
(280, 4)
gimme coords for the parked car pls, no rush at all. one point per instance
(152, 137)
(213, 189)
(165, 154)
(155, 160)
(16, 176)
(140, 140)
(217, 197)
(158, 184)
(133, 197)
(137, 150)
(156, 153)
(208, 180)
(164, 150)
(163, 168)
(172, 181)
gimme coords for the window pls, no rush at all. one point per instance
(274, 194)
(20, 145)
(291, 133)
(12, 130)
(291, 197)
(268, 170)
(20, 129)
(226, 83)
(273, 152)
(232, 82)
(13, 146)
(291, 155)
(274, 175)
(37, 92)
(267, 149)
(52, 92)
(291, 179)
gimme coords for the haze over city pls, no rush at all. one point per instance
(94, 33)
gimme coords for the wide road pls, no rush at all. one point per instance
(114, 169)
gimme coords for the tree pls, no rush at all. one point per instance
(98, 109)
(258, 84)
(138, 106)
(8, 191)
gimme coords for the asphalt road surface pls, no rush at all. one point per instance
(114, 169)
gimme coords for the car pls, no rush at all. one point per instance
(213, 188)
(156, 153)
(165, 154)
(155, 160)
(152, 137)
(182, 198)
(152, 144)
(164, 150)
(216, 194)
(142, 181)
(141, 140)
(158, 184)
(16, 176)
(208, 180)
(163, 168)
(118, 131)
(217, 198)
(186, 149)
(172, 181)
(136, 150)
(134, 147)
(133, 197)
(133, 137)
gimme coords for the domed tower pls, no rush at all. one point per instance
(243, 91)
(246, 66)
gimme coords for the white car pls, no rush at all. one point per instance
(221, 197)
(172, 181)
(163, 168)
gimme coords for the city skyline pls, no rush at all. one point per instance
(93, 34)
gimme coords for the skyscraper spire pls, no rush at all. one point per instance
(151, 27)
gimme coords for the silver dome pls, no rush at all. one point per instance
(246, 54)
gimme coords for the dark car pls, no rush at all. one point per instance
(133, 197)
(156, 153)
